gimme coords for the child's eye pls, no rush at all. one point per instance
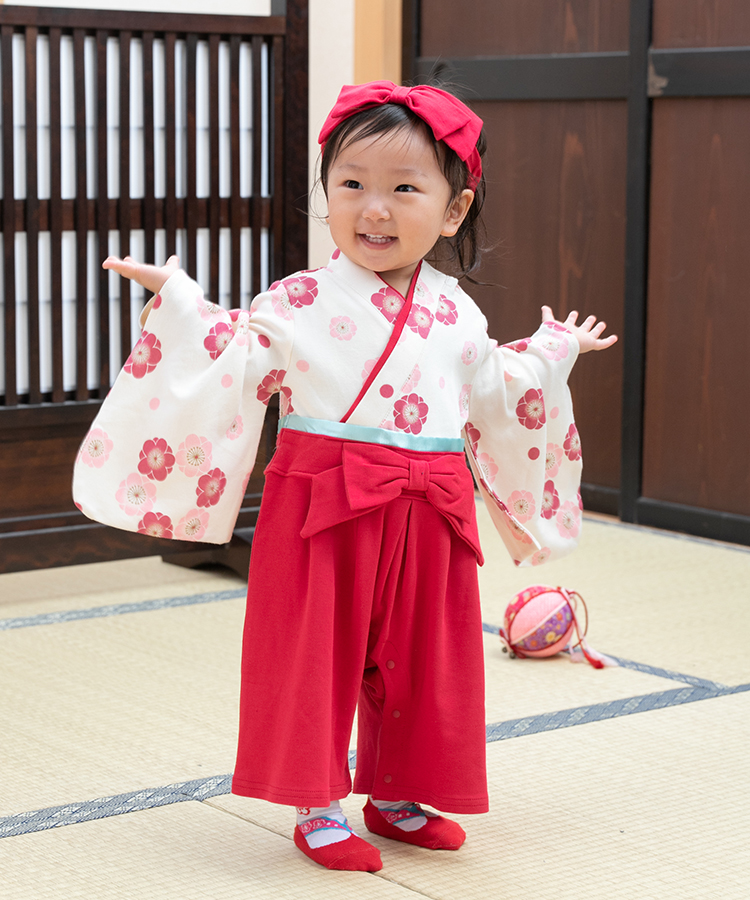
(406, 188)
(354, 185)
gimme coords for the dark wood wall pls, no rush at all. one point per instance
(41, 426)
(618, 185)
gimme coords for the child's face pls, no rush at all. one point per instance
(389, 202)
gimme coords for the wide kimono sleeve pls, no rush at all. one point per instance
(523, 445)
(172, 447)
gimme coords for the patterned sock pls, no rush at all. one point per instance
(413, 815)
(321, 825)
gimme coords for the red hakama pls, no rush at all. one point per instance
(363, 587)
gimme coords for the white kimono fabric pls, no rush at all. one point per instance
(173, 445)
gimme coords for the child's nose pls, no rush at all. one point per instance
(375, 210)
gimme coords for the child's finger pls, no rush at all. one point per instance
(547, 314)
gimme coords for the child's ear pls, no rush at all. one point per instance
(457, 212)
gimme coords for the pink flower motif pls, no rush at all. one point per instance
(389, 302)
(280, 302)
(273, 384)
(135, 495)
(144, 357)
(463, 402)
(469, 353)
(301, 291)
(242, 328)
(412, 381)
(369, 366)
(552, 460)
(572, 443)
(235, 429)
(518, 532)
(522, 506)
(554, 347)
(156, 459)
(410, 413)
(208, 311)
(446, 311)
(211, 487)
(541, 556)
(556, 326)
(518, 346)
(474, 436)
(530, 409)
(568, 520)
(96, 448)
(156, 525)
(420, 320)
(193, 526)
(194, 455)
(550, 500)
(488, 467)
(218, 339)
(342, 328)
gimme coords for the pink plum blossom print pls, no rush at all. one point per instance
(519, 532)
(420, 320)
(463, 402)
(469, 353)
(156, 459)
(194, 455)
(218, 339)
(342, 328)
(208, 311)
(368, 367)
(235, 429)
(521, 505)
(572, 444)
(446, 311)
(155, 524)
(192, 526)
(410, 413)
(242, 329)
(552, 460)
(518, 346)
(474, 435)
(211, 487)
(488, 467)
(530, 409)
(280, 302)
(144, 357)
(568, 520)
(554, 347)
(412, 381)
(550, 500)
(541, 556)
(96, 448)
(301, 291)
(273, 384)
(389, 302)
(135, 495)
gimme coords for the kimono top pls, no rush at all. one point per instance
(172, 448)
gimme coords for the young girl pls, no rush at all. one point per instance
(363, 584)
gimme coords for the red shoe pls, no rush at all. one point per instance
(437, 833)
(351, 855)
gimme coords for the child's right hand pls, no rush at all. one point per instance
(150, 277)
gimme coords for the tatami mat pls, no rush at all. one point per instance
(649, 805)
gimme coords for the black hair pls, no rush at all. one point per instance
(463, 251)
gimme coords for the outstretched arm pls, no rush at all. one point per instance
(587, 334)
(148, 276)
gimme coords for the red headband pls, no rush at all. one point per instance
(450, 120)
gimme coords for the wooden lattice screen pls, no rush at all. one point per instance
(140, 133)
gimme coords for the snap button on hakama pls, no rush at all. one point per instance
(387, 779)
(390, 664)
(396, 714)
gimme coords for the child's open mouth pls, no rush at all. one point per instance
(377, 239)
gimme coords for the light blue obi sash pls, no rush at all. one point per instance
(364, 434)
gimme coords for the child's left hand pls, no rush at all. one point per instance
(586, 334)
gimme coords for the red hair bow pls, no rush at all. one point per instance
(451, 120)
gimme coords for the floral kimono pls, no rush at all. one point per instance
(363, 588)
